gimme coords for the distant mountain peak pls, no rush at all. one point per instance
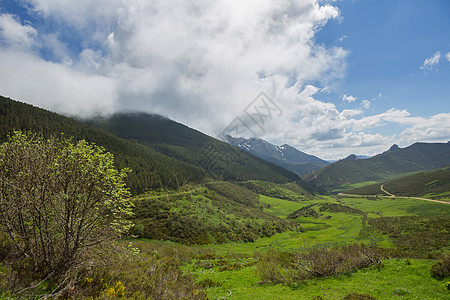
(394, 147)
(351, 157)
(284, 156)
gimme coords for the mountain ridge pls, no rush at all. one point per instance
(284, 156)
(416, 157)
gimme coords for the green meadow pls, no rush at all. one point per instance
(231, 272)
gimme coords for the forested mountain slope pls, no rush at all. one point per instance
(150, 169)
(160, 152)
(220, 160)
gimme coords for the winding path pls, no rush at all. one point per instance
(390, 195)
(394, 196)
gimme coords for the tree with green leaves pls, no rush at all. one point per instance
(61, 202)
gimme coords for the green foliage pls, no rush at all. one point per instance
(216, 214)
(151, 169)
(290, 191)
(60, 202)
(441, 269)
(415, 236)
(152, 272)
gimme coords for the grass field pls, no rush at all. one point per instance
(397, 280)
(230, 270)
(393, 207)
(233, 274)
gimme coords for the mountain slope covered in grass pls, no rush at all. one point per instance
(433, 184)
(396, 161)
(215, 212)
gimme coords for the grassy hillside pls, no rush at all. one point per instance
(432, 184)
(417, 157)
(216, 212)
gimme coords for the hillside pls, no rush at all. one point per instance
(396, 161)
(284, 156)
(216, 212)
(150, 169)
(176, 140)
(161, 152)
(432, 184)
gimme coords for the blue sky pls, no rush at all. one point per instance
(346, 76)
(388, 43)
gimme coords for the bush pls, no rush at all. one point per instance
(278, 267)
(324, 262)
(273, 267)
(153, 272)
(62, 202)
(441, 269)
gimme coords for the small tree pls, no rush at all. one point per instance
(60, 200)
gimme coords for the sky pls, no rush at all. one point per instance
(331, 78)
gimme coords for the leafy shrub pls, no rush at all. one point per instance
(153, 272)
(415, 236)
(273, 266)
(62, 204)
(441, 269)
(276, 266)
(324, 262)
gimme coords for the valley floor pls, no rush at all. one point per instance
(231, 271)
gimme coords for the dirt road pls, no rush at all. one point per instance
(394, 196)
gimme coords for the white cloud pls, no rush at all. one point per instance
(366, 104)
(348, 98)
(200, 63)
(447, 56)
(431, 61)
(191, 60)
(57, 86)
(16, 35)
